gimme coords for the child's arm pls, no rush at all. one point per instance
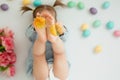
(38, 22)
(31, 33)
(62, 31)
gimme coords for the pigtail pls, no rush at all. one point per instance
(59, 3)
(25, 9)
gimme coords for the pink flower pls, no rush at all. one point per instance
(3, 60)
(8, 43)
(11, 58)
(7, 58)
(11, 71)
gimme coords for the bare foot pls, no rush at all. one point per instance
(60, 28)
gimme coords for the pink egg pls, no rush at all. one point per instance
(117, 33)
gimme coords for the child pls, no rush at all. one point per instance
(47, 59)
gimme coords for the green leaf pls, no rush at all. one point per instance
(3, 68)
(2, 48)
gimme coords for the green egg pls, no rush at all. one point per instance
(80, 5)
(71, 4)
(106, 5)
(86, 33)
(110, 25)
(97, 23)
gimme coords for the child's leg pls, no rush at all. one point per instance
(40, 67)
(60, 66)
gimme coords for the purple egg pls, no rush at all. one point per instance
(93, 10)
(4, 7)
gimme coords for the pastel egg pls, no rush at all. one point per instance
(4, 7)
(84, 27)
(110, 25)
(93, 10)
(86, 33)
(37, 3)
(117, 33)
(71, 4)
(80, 5)
(98, 49)
(106, 5)
(26, 2)
(97, 23)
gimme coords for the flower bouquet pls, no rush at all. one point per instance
(7, 54)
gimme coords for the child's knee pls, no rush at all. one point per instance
(60, 53)
(41, 78)
(38, 54)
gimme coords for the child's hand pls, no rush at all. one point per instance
(41, 33)
(39, 22)
(50, 20)
(59, 28)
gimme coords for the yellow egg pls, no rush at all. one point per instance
(84, 27)
(98, 49)
(26, 2)
(53, 30)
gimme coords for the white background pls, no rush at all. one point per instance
(86, 65)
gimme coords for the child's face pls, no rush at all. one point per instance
(46, 14)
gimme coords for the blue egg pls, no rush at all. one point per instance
(106, 5)
(86, 33)
(37, 3)
(110, 25)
